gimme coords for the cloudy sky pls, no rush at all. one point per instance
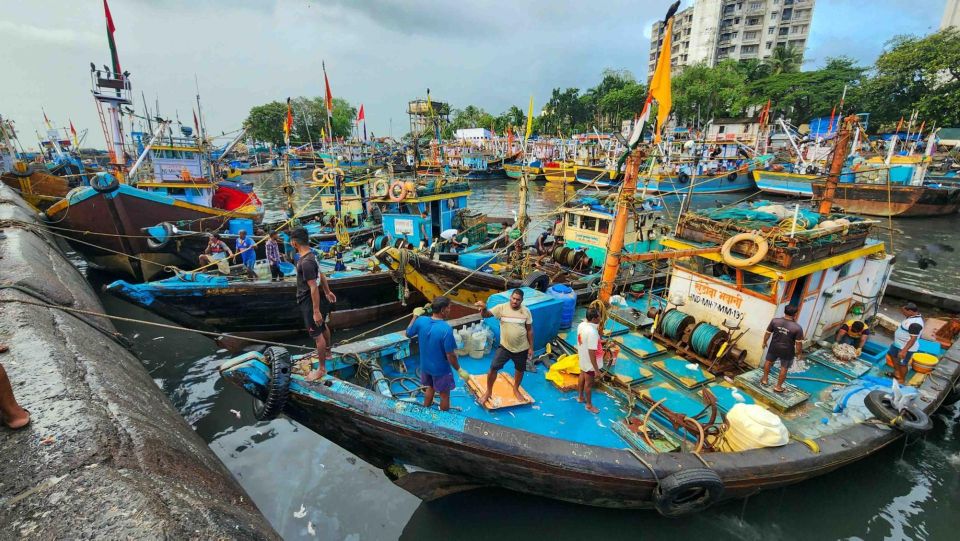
(378, 52)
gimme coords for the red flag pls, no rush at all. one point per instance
(46, 120)
(73, 131)
(832, 114)
(329, 96)
(899, 125)
(113, 45)
(196, 123)
(288, 122)
(360, 115)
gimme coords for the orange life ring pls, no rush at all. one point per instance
(733, 261)
(398, 192)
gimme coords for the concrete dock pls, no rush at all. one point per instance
(106, 454)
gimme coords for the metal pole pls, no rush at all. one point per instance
(836, 165)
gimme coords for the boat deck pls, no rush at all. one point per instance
(647, 372)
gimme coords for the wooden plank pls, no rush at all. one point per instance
(502, 396)
(790, 398)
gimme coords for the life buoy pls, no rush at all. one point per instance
(168, 232)
(398, 192)
(278, 388)
(683, 178)
(687, 491)
(333, 175)
(287, 190)
(99, 186)
(910, 420)
(317, 174)
(733, 261)
(380, 188)
(732, 177)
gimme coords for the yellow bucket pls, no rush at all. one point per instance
(923, 363)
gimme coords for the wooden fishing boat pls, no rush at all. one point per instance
(893, 200)
(685, 419)
(37, 185)
(561, 171)
(784, 182)
(710, 183)
(516, 168)
(598, 176)
(234, 304)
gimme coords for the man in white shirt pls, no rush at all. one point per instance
(906, 341)
(591, 357)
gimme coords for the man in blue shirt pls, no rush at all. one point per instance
(246, 252)
(437, 352)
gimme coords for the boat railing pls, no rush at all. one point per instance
(111, 87)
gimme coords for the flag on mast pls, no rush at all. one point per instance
(73, 132)
(328, 100)
(45, 119)
(196, 123)
(899, 125)
(113, 44)
(288, 123)
(529, 120)
(360, 116)
(660, 82)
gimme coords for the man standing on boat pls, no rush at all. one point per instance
(437, 352)
(247, 254)
(785, 337)
(272, 249)
(516, 341)
(314, 307)
(591, 357)
(906, 341)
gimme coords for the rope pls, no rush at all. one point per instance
(702, 336)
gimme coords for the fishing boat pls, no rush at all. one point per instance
(243, 307)
(106, 220)
(559, 171)
(685, 421)
(533, 167)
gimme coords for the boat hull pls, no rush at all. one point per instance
(732, 182)
(461, 453)
(598, 177)
(559, 174)
(784, 183)
(38, 188)
(893, 200)
(108, 228)
(263, 306)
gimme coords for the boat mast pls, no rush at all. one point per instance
(836, 165)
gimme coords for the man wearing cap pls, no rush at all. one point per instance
(854, 332)
(906, 341)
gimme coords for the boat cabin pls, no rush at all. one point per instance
(588, 227)
(419, 219)
(353, 199)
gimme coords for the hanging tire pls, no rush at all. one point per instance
(732, 177)
(910, 420)
(278, 388)
(537, 280)
(878, 402)
(108, 187)
(157, 245)
(687, 491)
(683, 178)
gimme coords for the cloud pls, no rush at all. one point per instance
(55, 36)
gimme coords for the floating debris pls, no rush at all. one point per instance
(301, 513)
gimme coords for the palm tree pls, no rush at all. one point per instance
(785, 60)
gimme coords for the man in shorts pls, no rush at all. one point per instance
(591, 357)
(437, 352)
(906, 341)
(785, 337)
(516, 341)
(314, 307)
(245, 249)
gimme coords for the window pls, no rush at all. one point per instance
(770, 30)
(588, 223)
(603, 226)
(750, 35)
(573, 220)
(749, 49)
(756, 5)
(783, 31)
(722, 129)
(753, 21)
(845, 270)
(769, 45)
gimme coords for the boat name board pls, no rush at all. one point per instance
(714, 299)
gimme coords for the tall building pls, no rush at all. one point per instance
(714, 30)
(951, 15)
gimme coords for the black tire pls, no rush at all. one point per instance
(687, 491)
(683, 178)
(278, 388)
(732, 177)
(811, 170)
(878, 402)
(537, 280)
(913, 420)
(155, 245)
(109, 187)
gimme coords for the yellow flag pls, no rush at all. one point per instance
(529, 119)
(660, 82)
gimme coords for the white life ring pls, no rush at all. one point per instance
(762, 248)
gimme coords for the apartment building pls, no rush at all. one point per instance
(714, 30)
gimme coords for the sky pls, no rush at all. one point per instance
(382, 53)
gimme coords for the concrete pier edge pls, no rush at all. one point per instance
(106, 454)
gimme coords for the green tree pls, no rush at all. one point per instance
(917, 73)
(563, 112)
(265, 122)
(803, 95)
(785, 60)
(703, 92)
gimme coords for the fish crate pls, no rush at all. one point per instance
(785, 251)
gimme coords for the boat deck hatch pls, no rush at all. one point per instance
(502, 396)
(728, 396)
(790, 398)
(689, 374)
(852, 369)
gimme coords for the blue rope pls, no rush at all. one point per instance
(671, 323)
(701, 338)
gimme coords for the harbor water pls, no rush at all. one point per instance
(311, 489)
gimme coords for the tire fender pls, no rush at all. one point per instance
(278, 388)
(687, 491)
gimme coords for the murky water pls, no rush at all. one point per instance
(311, 489)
